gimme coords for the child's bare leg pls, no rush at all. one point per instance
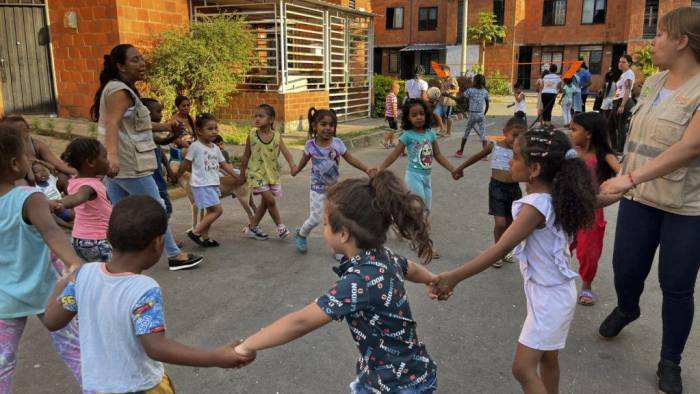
(549, 371)
(271, 203)
(525, 369)
(500, 225)
(259, 211)
(210, 216)
(449, 127)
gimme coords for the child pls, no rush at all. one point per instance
(219, 141)
(421, 142)
(391, 113)
(589, 134)
(370, 294)
(204, 159)
(519, 103)
(324, 150)
(27, 232)
(561, 200)
(478, 104)
(88, 196)
(259, 165)
(503, 191)
(122, 324)
(45, 181)
(567, 100)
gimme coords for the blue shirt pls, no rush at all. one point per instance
(26, 275)
(420, 150)
(584, 77)
(477, 99)
(371, 297)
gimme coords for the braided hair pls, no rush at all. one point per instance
(81, 150)
(573, 194)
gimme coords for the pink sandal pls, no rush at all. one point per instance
(586, 297)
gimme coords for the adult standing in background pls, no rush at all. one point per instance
(622, 103)
(445, 108)
(661, 180)
(584, 82)
(417, 88)
(551, 86)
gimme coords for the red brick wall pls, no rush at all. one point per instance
(77, 53)
(445, 33)
(141, 20)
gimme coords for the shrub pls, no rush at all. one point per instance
(642, 58)
(498, 84)
(233, 134)
(206, 64)
(92, 130)
(382, 87)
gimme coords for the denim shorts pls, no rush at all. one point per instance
(91, 250)
(422, 185)
(427, 387)
(443, 111)
(206, 196)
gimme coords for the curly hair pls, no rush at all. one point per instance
(597, 126)
(405, 119)
(573, 194)
(316, 115)
(368, 207)
(81, 150)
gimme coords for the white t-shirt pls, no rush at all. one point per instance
(205, 164)
(521, 105)
(414, 87)
(50, 189)
(620, 84)
(663, 95)
(551, 83)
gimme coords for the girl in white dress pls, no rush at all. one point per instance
(561, 200)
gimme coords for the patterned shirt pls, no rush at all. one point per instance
(477, 99)
(371, 297)
(325, 163)
(420, 150)
(389, 104)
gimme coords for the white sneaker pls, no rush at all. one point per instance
(255, 232)
(510, 258)
(282, 231)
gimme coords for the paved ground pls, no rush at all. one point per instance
(246, 284)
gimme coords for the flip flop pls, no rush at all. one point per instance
(584, 295)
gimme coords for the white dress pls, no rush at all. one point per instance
(550, 288)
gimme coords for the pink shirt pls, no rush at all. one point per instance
(91, 217)
(390, 102)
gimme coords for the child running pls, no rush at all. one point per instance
(122, 324)
(88, 197)
(589, 134)
(561, 201)
(324, 150)
(27, 232)
(503, 190)
(203, 160)
(370, 294)
(519, 101)
(259, 165)
(478, 104)
(421, 143)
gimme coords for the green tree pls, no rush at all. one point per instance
(486, 31)
(644, 62)
(206, 63)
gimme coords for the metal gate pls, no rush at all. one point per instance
(25, 60)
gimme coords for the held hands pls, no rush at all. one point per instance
(618, 185)
(113, 165)
(227, 357)
(56, 206)
(442, 287)
(371, 172)
(457, 174)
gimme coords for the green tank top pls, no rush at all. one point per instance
(263, 167)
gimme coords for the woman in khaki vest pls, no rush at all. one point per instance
(660, 180)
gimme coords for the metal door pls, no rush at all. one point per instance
(25, 62)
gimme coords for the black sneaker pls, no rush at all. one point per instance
(615, 322)
(195, 238)
(669, 376)
(191, 262)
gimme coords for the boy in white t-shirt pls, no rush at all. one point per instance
(122, 324)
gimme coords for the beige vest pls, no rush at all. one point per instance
(652, 131)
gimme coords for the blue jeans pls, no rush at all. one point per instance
(123, 187)
(427, 387)
(642, 229)
(422, 185)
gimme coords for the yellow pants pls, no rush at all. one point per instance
(164, 387)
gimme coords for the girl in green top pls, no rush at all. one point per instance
(259, 165)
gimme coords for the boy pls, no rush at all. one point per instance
(391, 115)
(122, 326)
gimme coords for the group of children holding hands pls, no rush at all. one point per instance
(119, 243)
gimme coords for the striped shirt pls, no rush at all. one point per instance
(390, 103)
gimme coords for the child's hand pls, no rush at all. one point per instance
(56, 205)
(371, 172)
(442, 287)
(457, 174)
(227, 357)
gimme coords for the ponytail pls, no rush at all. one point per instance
(110, 72)
(367, 208)
(310, 116)
(315, 116)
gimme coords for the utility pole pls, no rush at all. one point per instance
(465, 14)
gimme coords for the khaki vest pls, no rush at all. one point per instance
(652, 131)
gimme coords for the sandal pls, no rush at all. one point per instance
(586, 297)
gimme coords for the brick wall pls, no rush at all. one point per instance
(445, 33)
(141, 20)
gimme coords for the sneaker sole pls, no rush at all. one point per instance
(184, 267)
(259, 238)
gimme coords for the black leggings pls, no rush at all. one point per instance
(547, 106)
(619, 124)
(640, 230)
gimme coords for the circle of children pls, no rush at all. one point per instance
(101, 275)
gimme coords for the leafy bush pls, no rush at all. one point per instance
(642, 58)
(498, 84)
(382, 87)
(233, 134)
(206, 64)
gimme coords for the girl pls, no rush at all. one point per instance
(88, 197)
(539, 86)
(259, 165)
(503, 191)
(391, 114)
(519, 101)
(421, 142)
(561, 200)
(27, 232)
(203, 160)
(478, 99)
(589, 134)
(567, 100)
(324, 150)
(370, 294)
(178, 148)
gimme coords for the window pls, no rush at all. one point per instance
(651, 17)
(695, 3)
(394, 61)
(394, 18)
(429, 56)
(552, 55)
(593, 12)
(427, 18)
(593, 56)
(499, 9)
(554, 13)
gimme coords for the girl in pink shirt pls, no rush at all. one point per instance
(88, 197)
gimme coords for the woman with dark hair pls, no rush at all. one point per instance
(124, 123)
(660, 178)
(178, 148)
(551, 86)
(622, 103)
